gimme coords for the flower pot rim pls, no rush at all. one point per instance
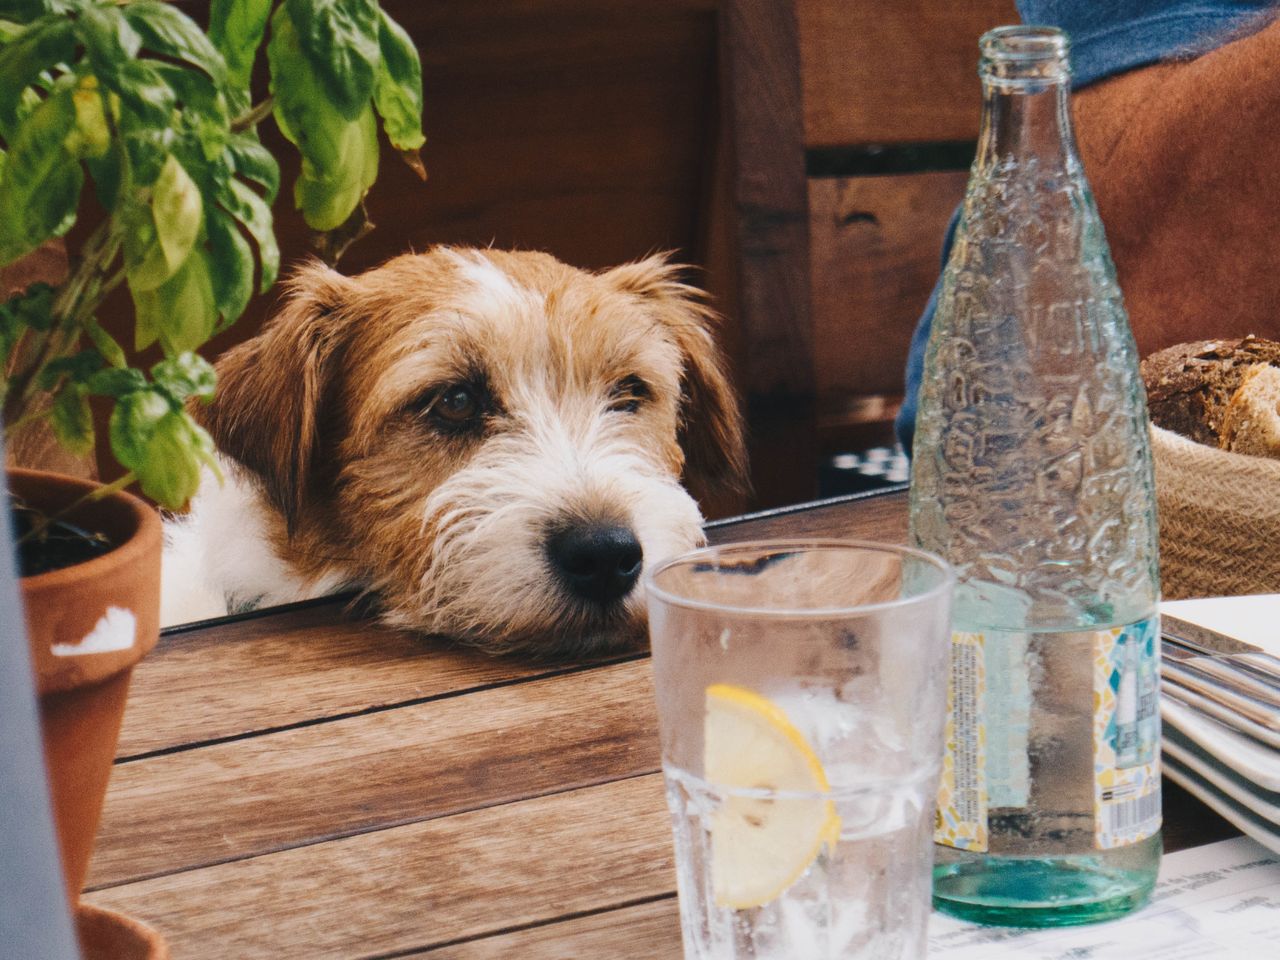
(129, 552)
(102, 929)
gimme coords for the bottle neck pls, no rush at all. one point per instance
(1024, 122)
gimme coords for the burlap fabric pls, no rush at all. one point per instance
(1219, 519)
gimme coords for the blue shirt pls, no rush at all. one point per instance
(1106, 38)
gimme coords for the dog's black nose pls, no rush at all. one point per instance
(597, 562)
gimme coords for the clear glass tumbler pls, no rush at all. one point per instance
(801, 690)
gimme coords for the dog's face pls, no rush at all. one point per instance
(493, 442)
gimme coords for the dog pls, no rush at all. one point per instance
(491, 444)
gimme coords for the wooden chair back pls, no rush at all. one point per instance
(849, 129)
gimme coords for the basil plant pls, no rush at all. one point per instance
(135, 101)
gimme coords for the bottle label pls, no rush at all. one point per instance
(988, 766)
(961, 819)
(1126, 734)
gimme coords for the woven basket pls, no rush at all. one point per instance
(1219, 519)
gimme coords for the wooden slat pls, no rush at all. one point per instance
(875, 244)
(229, 801)
(647, 931)
(420, 885)
(896, 72)
(761, 110)
(281, 669)
(882, 518)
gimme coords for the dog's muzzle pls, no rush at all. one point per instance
(596, 562)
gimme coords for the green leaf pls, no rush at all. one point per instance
(397, 91)
(339, 157)
(116, 382)
(33, 307)
(108, 36)
(165, 451)
(41, 184)
(105, 171)
(77, 368)
(91, 136)
(24, 11)
(147, 148)
(176, 206)
(236, 28)
(251, 160)
(112, 45)
(301, 109)
(327, 197)
(11, 331)
(28, 310)
(105, 344)
(159, 238)
(39, 48)
(339, 38)
(233, 280)
(204, 113)
(252, 211)
(133, 423)
(71, 419)
(168, 31)
(181, 312)
(186, 375)
(160, 442)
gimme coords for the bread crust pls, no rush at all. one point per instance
(1190, 385)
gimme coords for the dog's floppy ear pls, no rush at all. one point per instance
(710, 420)
(268, 410)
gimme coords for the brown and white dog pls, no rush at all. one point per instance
(490, 443)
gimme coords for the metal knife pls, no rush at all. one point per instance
(1192, 697)
(1258, 704)
(1218, 648)
(1221, 671)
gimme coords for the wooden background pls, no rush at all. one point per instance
(804, 155)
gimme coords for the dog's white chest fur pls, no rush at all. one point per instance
(218, 557)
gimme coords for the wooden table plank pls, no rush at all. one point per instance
(881, 517)
(286, 668)
(422, 885)
(320, 661)
(229, 801)
(645, 931)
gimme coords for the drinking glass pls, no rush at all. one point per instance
(801, 690)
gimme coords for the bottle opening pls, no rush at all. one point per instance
(1025, 55)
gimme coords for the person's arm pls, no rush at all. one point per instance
(1182, 157)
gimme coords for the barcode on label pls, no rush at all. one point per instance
(1139, 815)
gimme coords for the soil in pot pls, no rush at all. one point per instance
(50, 543)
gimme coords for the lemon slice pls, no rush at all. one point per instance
(760, 845)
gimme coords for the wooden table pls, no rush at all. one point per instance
(304, 783)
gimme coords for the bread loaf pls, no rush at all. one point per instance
(1251, 423)
(1190, 386)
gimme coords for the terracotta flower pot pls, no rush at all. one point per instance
(107, 935)
(88, 625)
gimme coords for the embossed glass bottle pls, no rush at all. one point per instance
(1032, 475)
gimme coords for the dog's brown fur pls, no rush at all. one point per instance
(329, 411)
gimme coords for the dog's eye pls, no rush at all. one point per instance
(456, 405)
(456, 408)
(628, 394)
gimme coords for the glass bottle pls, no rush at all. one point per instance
(1032, 475)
